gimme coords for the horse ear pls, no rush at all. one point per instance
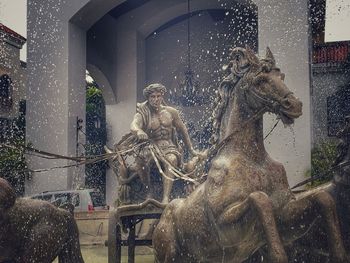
(253, 59)
(269, 56)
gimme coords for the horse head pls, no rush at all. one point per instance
(263, 85)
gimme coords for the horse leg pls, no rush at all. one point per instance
(43, 243)
(167, 182)
(317, 204)
(262, 205)
(164, 237)
(70, 253)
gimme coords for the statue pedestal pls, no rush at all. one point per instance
(126, 218)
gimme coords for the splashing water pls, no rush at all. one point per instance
(293, 133)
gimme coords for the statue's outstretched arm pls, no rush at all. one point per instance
(136, 127)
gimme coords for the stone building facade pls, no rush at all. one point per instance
(330, 78)
(12, 107)
(12, 77)
(330, 89)
(112, 39)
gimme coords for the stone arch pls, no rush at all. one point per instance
(57, 63)
(103, 83)
(130, 58)
(168, 12)
(88, 12)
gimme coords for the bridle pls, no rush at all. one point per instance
(251, 92)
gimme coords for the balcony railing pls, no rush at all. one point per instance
(330, 53)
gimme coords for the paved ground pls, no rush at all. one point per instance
(98, 254)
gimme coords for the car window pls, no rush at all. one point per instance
(46, 197)
(43, 197)
(97, 199)
(63, 197)
(75, 199)
(72, 198)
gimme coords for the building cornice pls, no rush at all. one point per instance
(11, 37)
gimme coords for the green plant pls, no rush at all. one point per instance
(13, 165)
(95, 135)
(322, 158)
(93, 98)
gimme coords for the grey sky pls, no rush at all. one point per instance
(337, 20)
(13, 14)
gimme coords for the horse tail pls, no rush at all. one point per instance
(7, 196)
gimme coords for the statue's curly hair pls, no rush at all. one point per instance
(155, 87)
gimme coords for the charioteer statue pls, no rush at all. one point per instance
(159, 123)
(155, 132)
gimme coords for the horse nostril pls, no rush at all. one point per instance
(286, 103)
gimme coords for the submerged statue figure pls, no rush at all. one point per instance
(160, 124)
(246, 203)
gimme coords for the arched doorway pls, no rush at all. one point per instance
(134, 63)
(58, 54)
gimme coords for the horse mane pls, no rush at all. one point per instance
(225, 93)
(242, 61)
(242, 69)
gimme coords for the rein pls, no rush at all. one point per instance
(274, 126)
(274, 104)
(78, 160)
(322, 175)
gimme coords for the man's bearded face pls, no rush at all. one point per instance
(155, 99)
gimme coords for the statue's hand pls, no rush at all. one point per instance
(194, 152)
(142, 136)
(201, 155)
(213, 139)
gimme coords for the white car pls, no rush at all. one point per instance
(84, 200)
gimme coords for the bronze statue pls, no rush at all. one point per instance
(340, 186)
(339, 189)
(343, 146)
(246, 203)
(154, 130)
(35, 230)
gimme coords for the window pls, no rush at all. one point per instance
(47, 198)
(67, 198)
(338, 107)
(75, 200)
(43, 197)
(97, 199)
(5, 91)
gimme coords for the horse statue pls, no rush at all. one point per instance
(35, 230)
(246, 203)
(339, 188)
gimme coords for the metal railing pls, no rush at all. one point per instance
(330, 53)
